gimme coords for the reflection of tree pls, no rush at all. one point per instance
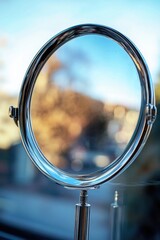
(60, 116)
(74, 57)
(64, 118)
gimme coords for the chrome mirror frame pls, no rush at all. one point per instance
(147, 115)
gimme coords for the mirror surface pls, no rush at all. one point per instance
(85, 104)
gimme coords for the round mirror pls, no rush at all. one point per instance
(86, 106)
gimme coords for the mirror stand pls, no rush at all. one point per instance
(81, 124)
(82, 217)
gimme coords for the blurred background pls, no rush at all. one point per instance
(31, 205)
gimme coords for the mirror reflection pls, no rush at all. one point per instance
(85, 104)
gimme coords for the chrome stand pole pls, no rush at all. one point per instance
(82, 218)
(115, 218)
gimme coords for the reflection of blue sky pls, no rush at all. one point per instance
(27, 25)
(99, 68)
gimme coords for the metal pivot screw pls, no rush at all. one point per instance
(151, 113)
(13, 113)
(83, 197)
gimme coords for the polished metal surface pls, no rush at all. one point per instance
(146, 117)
